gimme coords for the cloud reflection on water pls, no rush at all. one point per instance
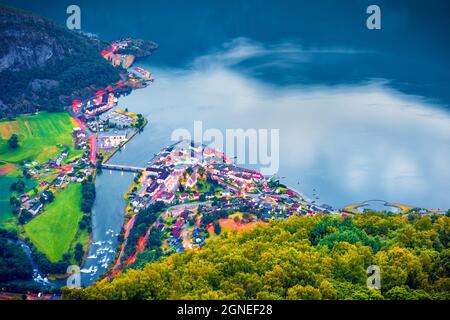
(350, 142)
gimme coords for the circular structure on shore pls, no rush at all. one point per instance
(378, 205)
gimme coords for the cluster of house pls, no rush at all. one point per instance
(140, 73)
(101, 103)
(126, 43)
(117, 119)
(80, 138)
(96, 125)
(158, 185)
(234, 178)
(183, 197)
(160, 181)
(181, 238)
(125, 60)
(242, 190)
(198, 237)
(35, 170)
(185, 231)
(32, 168)
(176, 239)
(35, 207)
(76, 171)
(116, 59)
(110, 119)
(66, 175)
(107, 140)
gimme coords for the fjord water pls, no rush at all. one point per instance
(363, 115)
(107, 220)
(346, 144)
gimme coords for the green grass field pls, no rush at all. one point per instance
(41, 137)
(54, 230)
(7, 219)
(81, 237)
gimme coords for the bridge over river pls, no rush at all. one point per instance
(118, 167)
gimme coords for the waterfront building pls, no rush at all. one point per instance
(108, 141)
(140, 73)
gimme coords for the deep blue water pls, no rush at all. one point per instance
(411, 50)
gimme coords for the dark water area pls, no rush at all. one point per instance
(411, 50)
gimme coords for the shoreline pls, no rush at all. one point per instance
(109, 156)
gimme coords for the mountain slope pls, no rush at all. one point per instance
(42, 64)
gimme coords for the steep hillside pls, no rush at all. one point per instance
(42, 64)
(308, 257)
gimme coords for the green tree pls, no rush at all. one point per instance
(50, 196)
(25, 216)
(400, 267)
(308, 292)
(350, 262)
(18, 186)
(217, 228)
(14, 202)
(79, 253)
(283, 260)
(13, 141)
(14, 263)
(140, 121)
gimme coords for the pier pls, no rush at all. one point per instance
(118, 167)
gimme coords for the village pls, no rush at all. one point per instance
(200, 189)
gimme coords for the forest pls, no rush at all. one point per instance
(14, 264)
(307, 257)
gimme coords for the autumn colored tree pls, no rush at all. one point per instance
(307, 257)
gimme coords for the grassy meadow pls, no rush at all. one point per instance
(7, 218)
(41, 137)
(54, 230)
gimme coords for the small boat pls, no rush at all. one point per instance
(87, 270)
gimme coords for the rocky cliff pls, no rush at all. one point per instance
(42, 64)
